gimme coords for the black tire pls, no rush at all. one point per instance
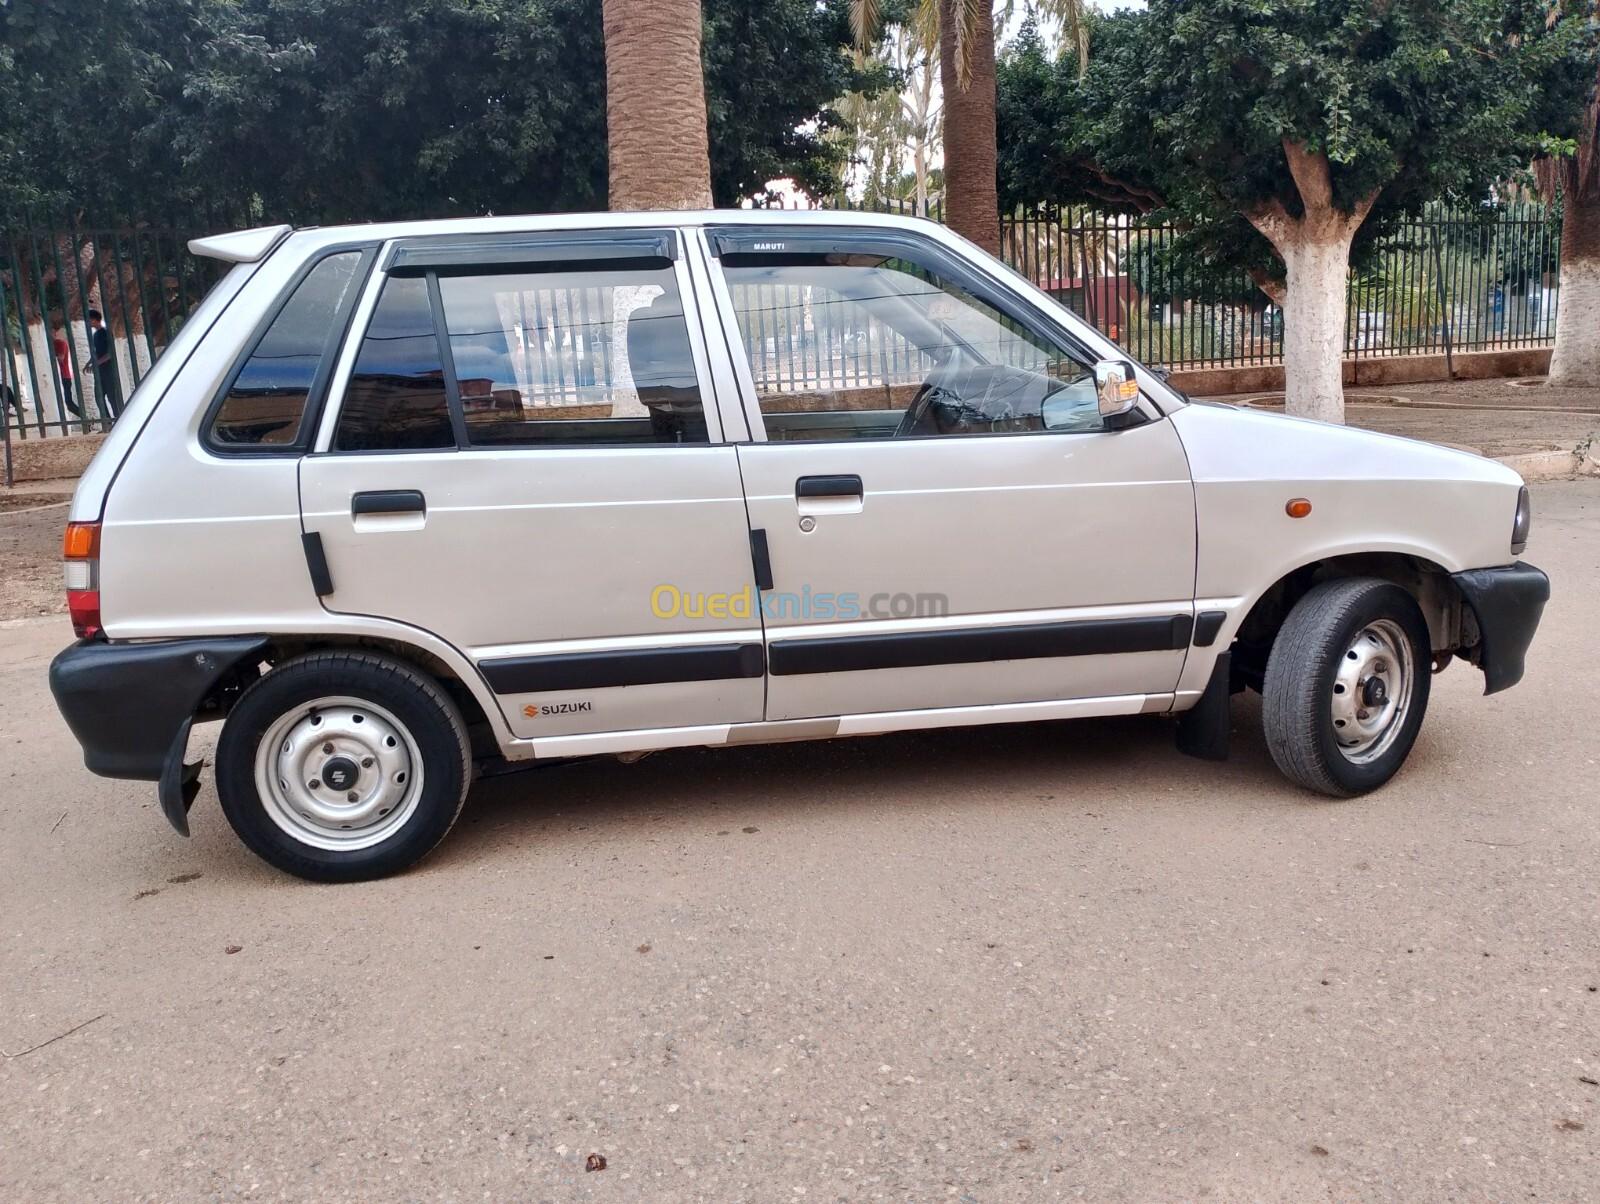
(429, 723)
(1303, 671)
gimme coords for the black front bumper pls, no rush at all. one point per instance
(126, 702)
(1507, 603)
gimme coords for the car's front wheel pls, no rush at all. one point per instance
(342, 766)
(1347, 686)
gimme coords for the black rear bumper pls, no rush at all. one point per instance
(1507, 603)
(127, 702)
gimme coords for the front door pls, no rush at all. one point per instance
(527, 462)
(949, 523)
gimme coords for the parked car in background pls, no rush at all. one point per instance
(406, 502)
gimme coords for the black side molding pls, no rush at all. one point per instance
(1206, 625)
(317, 563)
(969, 645)
(1508, 603)
(635, 667)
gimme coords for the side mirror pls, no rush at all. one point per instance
(1117, 389)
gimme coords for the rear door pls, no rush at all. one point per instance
(523, 457)
(949, 523)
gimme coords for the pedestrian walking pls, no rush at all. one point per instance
(63, 357)
(105, 365)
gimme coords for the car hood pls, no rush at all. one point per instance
(1231, 442)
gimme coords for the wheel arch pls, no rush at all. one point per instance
(1450, 623)
(485, 724)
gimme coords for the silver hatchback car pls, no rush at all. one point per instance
(404, 502)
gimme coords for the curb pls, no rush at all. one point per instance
(1555, 464)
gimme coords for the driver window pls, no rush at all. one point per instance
(872, 347)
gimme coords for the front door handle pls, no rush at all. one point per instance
(388, 501)
(836, 487)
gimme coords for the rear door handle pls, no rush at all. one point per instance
(837, 487)
(388, 501)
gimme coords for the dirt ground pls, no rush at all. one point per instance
(30, 553)
(1036, 963)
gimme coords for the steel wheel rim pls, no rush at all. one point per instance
(339, 774)
(1372, 691)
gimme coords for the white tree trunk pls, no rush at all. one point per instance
(1575, 362)
(1314, 325)
(1315, 249)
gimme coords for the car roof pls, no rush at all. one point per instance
(251, 245)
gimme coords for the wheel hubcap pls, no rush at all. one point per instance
(339, 773)
(1372, 691)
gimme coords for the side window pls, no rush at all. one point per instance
(594, 357)
(874, 347)
(265, 405)
(395, 400)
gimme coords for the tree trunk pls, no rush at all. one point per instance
(972, 205)
(656, 105)
(1314, 327)
(1315, 249)
(1575, 362)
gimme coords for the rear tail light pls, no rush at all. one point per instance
(80, 552)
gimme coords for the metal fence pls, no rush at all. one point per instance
(1442, 282)
(84, 313)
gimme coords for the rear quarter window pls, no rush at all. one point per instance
(265, 405)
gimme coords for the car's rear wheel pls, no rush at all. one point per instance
(1346, 686)
(342, 766)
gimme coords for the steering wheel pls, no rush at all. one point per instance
(934, 389)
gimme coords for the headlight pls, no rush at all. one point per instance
(1520, 524)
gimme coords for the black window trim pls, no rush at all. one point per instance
(749, 246)
(447, 377)
(534, 251)
(641, 249)
(317, 395)
(452, 386)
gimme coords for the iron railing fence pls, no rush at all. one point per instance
(1441, 282)
(141, 280)
(1444, 281)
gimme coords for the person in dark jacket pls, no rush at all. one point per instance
(105, 365)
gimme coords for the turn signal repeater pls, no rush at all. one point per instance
(80, 551)
(1298, 507)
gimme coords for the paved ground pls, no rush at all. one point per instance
(1011, 964)
(1493, 417)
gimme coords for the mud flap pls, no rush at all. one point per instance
(1204, 730)
(180, 782)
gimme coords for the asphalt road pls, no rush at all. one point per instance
(1022, 963)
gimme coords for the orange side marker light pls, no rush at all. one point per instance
(1298, 507)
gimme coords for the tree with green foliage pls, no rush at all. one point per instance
(345, 110)
(964, 32)
(1288, 132)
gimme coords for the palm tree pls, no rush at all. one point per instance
(965, 32)
(656, 105)
(881, 128)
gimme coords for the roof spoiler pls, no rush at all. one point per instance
(242, 246)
